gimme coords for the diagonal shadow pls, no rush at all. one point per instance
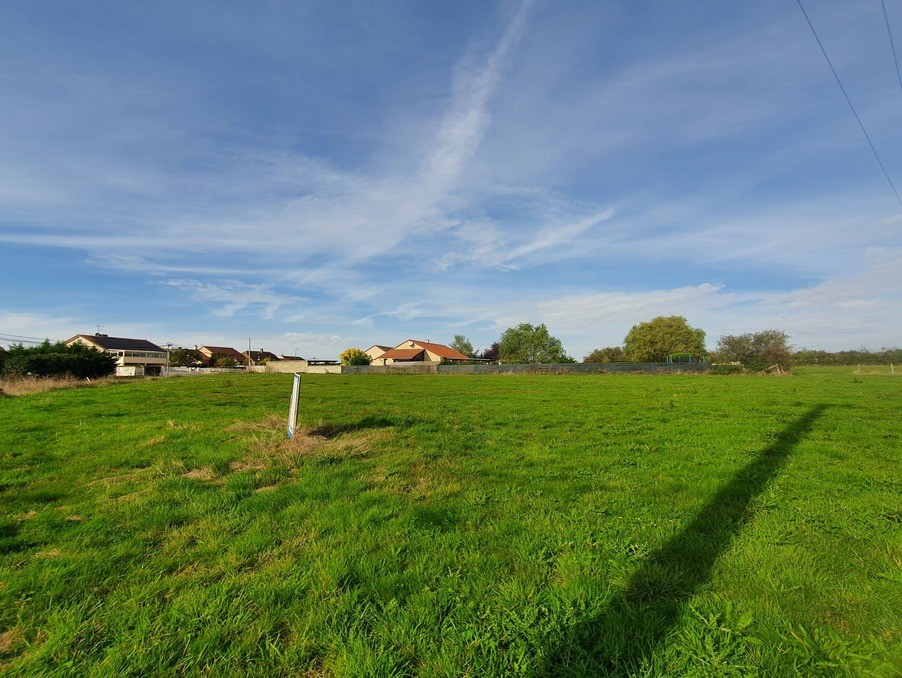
(335, 430)
(637, 621)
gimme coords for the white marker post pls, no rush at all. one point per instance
(293, 408)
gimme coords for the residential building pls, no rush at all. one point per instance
(223, 352)
(424, 352)
(134, 357)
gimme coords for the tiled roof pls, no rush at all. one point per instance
(441, 350)
(401, 354)
(226, 351)
(119, 343)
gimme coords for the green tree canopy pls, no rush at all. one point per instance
(756, 351)
(528, 344)
(222, 360)
(185, 357)
(657, 339)
(610, 354)
(462, 345)
(354, 356)
(492, 353)
(50, 360)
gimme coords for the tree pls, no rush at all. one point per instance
(222, 360)
(185, 357)
(654, 341)
(50, 360)
(610, 354)
(492, 353)
(756, 351)
(462, 345)
(528, 344)
(354, 356)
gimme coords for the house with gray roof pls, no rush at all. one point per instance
(134, 357)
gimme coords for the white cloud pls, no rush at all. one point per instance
(230, 296)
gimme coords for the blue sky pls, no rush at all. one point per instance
(316, 176)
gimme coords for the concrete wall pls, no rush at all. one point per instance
(282, 366)
(290, 367)
(588, 368)
(325, 369)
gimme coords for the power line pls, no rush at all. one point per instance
(849, 101)
(19, 339)
(892, 45)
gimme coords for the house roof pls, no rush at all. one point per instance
(256, 356)
(118, 343)
(378, 347)
(440, 350)
(401, 353)
(226, 351)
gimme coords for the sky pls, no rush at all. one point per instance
(308, 176)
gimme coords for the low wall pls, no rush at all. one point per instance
(282, 366)
(324, 369)
(182, 371)
(584, 368)
(290, 367)
(389, 369)
(555, 368)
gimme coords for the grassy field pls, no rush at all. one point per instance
(449, 525)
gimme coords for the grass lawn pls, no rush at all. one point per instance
(455, 525)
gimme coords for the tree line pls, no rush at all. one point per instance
(671, 339)
(49, 360)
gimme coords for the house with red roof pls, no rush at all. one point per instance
(421, 352)
(376, 350)
(208, 352)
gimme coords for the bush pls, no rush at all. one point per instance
(56, 360)
(354, 356)
(757, 351)
(610, 354)
(725, 369)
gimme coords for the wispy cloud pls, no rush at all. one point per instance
(583, 165)
(230, 296)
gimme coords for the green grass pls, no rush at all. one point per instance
(455, 525)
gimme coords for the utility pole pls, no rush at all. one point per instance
(248, 369)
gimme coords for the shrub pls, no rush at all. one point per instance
(756, 351)
(354, 356)
(725, 369)
(610, 354)
(54, 360)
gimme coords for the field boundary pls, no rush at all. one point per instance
(546, 368)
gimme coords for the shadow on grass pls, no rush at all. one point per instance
(328, 430)
(639, 619)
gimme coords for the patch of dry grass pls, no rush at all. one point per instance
(200, 474)
(10, 640)
(18, 386)
(268, 443)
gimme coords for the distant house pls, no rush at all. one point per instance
(134, 357)
(376, 351)
(223, 352)
(262, 357)
(420, 352)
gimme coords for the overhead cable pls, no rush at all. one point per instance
(892, 44)
(849, 101)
